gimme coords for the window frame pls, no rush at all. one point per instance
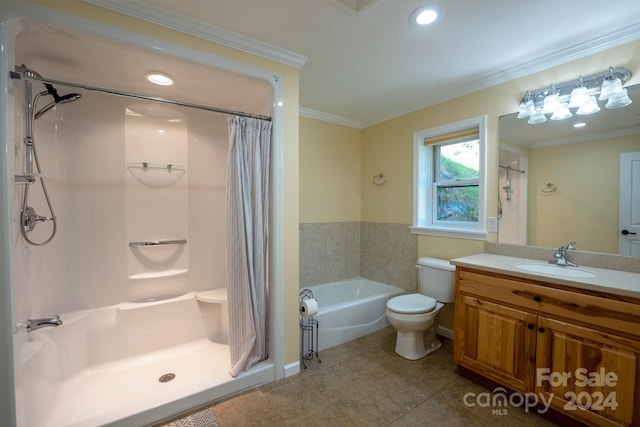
(424, 194)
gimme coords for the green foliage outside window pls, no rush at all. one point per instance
(457, 201)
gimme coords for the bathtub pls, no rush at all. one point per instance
(350, 309)
(130, 364)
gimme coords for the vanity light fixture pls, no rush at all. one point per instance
(162, 79)
(581, 94)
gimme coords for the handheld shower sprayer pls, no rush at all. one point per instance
(29, 218)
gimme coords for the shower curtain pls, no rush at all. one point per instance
(247, 240)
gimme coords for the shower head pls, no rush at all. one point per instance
(57, 99)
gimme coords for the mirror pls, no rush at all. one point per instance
(558, 183)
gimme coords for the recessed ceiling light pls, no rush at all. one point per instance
(424, 15)
(579, 125)
(159, 78)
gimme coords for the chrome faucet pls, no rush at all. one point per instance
(560, 257)
(33, 324)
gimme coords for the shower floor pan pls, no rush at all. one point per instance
(112, 391)
(129, 364)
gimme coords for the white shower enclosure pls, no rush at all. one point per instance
(123, 173)
(513, 193)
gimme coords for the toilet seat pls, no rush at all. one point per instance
(411, 304)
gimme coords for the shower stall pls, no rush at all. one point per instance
(114, 201)
(512, 195)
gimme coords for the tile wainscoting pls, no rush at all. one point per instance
(335, 251)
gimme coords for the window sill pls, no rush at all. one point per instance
(455, 233)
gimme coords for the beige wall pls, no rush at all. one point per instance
(290, 78)
(329, 172)
(586, 175)
(387, 147)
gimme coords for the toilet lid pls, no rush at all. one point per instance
(411, 304)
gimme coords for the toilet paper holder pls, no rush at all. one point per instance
(308, 331)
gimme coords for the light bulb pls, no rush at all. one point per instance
(589, 107)
(562, 112)
(619, 100)
(579, 96)
(610, 87)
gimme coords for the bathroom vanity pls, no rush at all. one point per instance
(567, 336)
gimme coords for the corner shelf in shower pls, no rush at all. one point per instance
(158, 274)
(147, 165)
(156, 174)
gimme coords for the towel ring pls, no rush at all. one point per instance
(379, 179)
(549, 188)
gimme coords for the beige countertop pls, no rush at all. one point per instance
(609, 281)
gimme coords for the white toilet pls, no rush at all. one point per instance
(414, 315)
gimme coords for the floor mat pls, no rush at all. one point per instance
(203, 418)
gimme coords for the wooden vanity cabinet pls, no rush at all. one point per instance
(497, 341)
(579, 350)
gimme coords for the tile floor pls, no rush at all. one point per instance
(365, 383)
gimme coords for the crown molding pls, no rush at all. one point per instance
(162, 17)
(608, 41)
(326, 117)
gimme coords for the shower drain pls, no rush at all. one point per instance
(166, 377)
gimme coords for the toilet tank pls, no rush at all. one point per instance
(436, 278)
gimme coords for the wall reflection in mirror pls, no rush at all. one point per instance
(562, 182)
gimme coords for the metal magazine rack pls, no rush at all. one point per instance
(308, 333)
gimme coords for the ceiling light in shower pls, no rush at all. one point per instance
(424, 15)
(159, 78)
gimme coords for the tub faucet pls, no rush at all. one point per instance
(33, 324)
(560, 257)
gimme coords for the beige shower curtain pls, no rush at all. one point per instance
(247, 240)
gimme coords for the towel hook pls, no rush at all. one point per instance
(379, 179)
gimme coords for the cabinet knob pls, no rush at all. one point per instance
(537, 298)
(540, 329)
(530, 325)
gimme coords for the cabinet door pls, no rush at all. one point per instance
(495, 341)
(589, 375)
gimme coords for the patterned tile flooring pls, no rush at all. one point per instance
(365, 383)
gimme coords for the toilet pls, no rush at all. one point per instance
(414, 315)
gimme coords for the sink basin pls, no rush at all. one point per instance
(556, 270)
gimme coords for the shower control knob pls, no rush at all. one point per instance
(30, 219)
(627, 232)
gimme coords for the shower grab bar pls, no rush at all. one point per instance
(158, 243)
(147, 165)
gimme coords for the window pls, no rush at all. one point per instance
(449, 180)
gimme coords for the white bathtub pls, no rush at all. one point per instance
(350, 309)
(102, 367)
